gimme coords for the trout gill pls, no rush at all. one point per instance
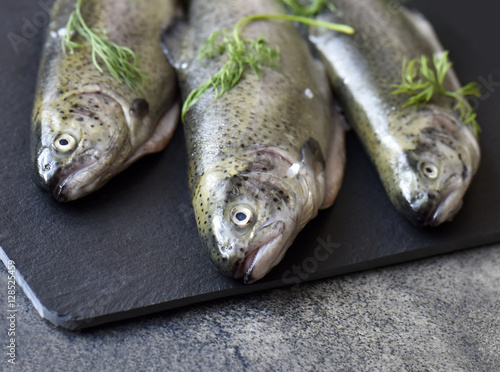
(263, 157)
(87, 126)
(425, 157)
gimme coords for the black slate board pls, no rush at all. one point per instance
(132, 247)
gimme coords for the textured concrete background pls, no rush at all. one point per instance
(438, 314)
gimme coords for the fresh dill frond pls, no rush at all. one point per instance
(310, 10)
(422, 82)
(243, 54)
(119, 60)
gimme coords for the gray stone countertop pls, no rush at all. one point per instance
(437, 314)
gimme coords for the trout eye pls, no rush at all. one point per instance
(242, 216)
(429, 170)
(65, 143)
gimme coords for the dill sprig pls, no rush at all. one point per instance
(422, 82)
(308, 10)
(243, 54)
(119, 60)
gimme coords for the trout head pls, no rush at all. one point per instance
(435, 173)
(79, 144)
(250, 210)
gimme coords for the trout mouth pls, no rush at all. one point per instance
(260, 260)
(76, 183)
(450, 201)
(437, 209)
(446, 209)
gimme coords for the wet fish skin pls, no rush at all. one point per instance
(259, 155)
(87, 126)
(403, 143)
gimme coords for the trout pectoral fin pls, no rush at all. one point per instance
(312, 156)
(335, 161)
(173, 41)
(161, 136)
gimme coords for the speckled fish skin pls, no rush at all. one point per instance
(426, 158)
(87, 126)
(258, 150)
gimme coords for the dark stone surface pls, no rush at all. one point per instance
(132, 247)
(437, 314)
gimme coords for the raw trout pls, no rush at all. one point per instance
(425, 157)
(264, 157)
(87, 126)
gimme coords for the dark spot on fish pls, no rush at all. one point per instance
(139, 107)
(465, 172)
(432, 131)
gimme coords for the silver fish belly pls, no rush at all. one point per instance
(261, 157)
(425, 157)
(87, 126)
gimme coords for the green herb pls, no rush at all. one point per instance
(120, 61)
(422, 82)
(308, 10)
(243, 54)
